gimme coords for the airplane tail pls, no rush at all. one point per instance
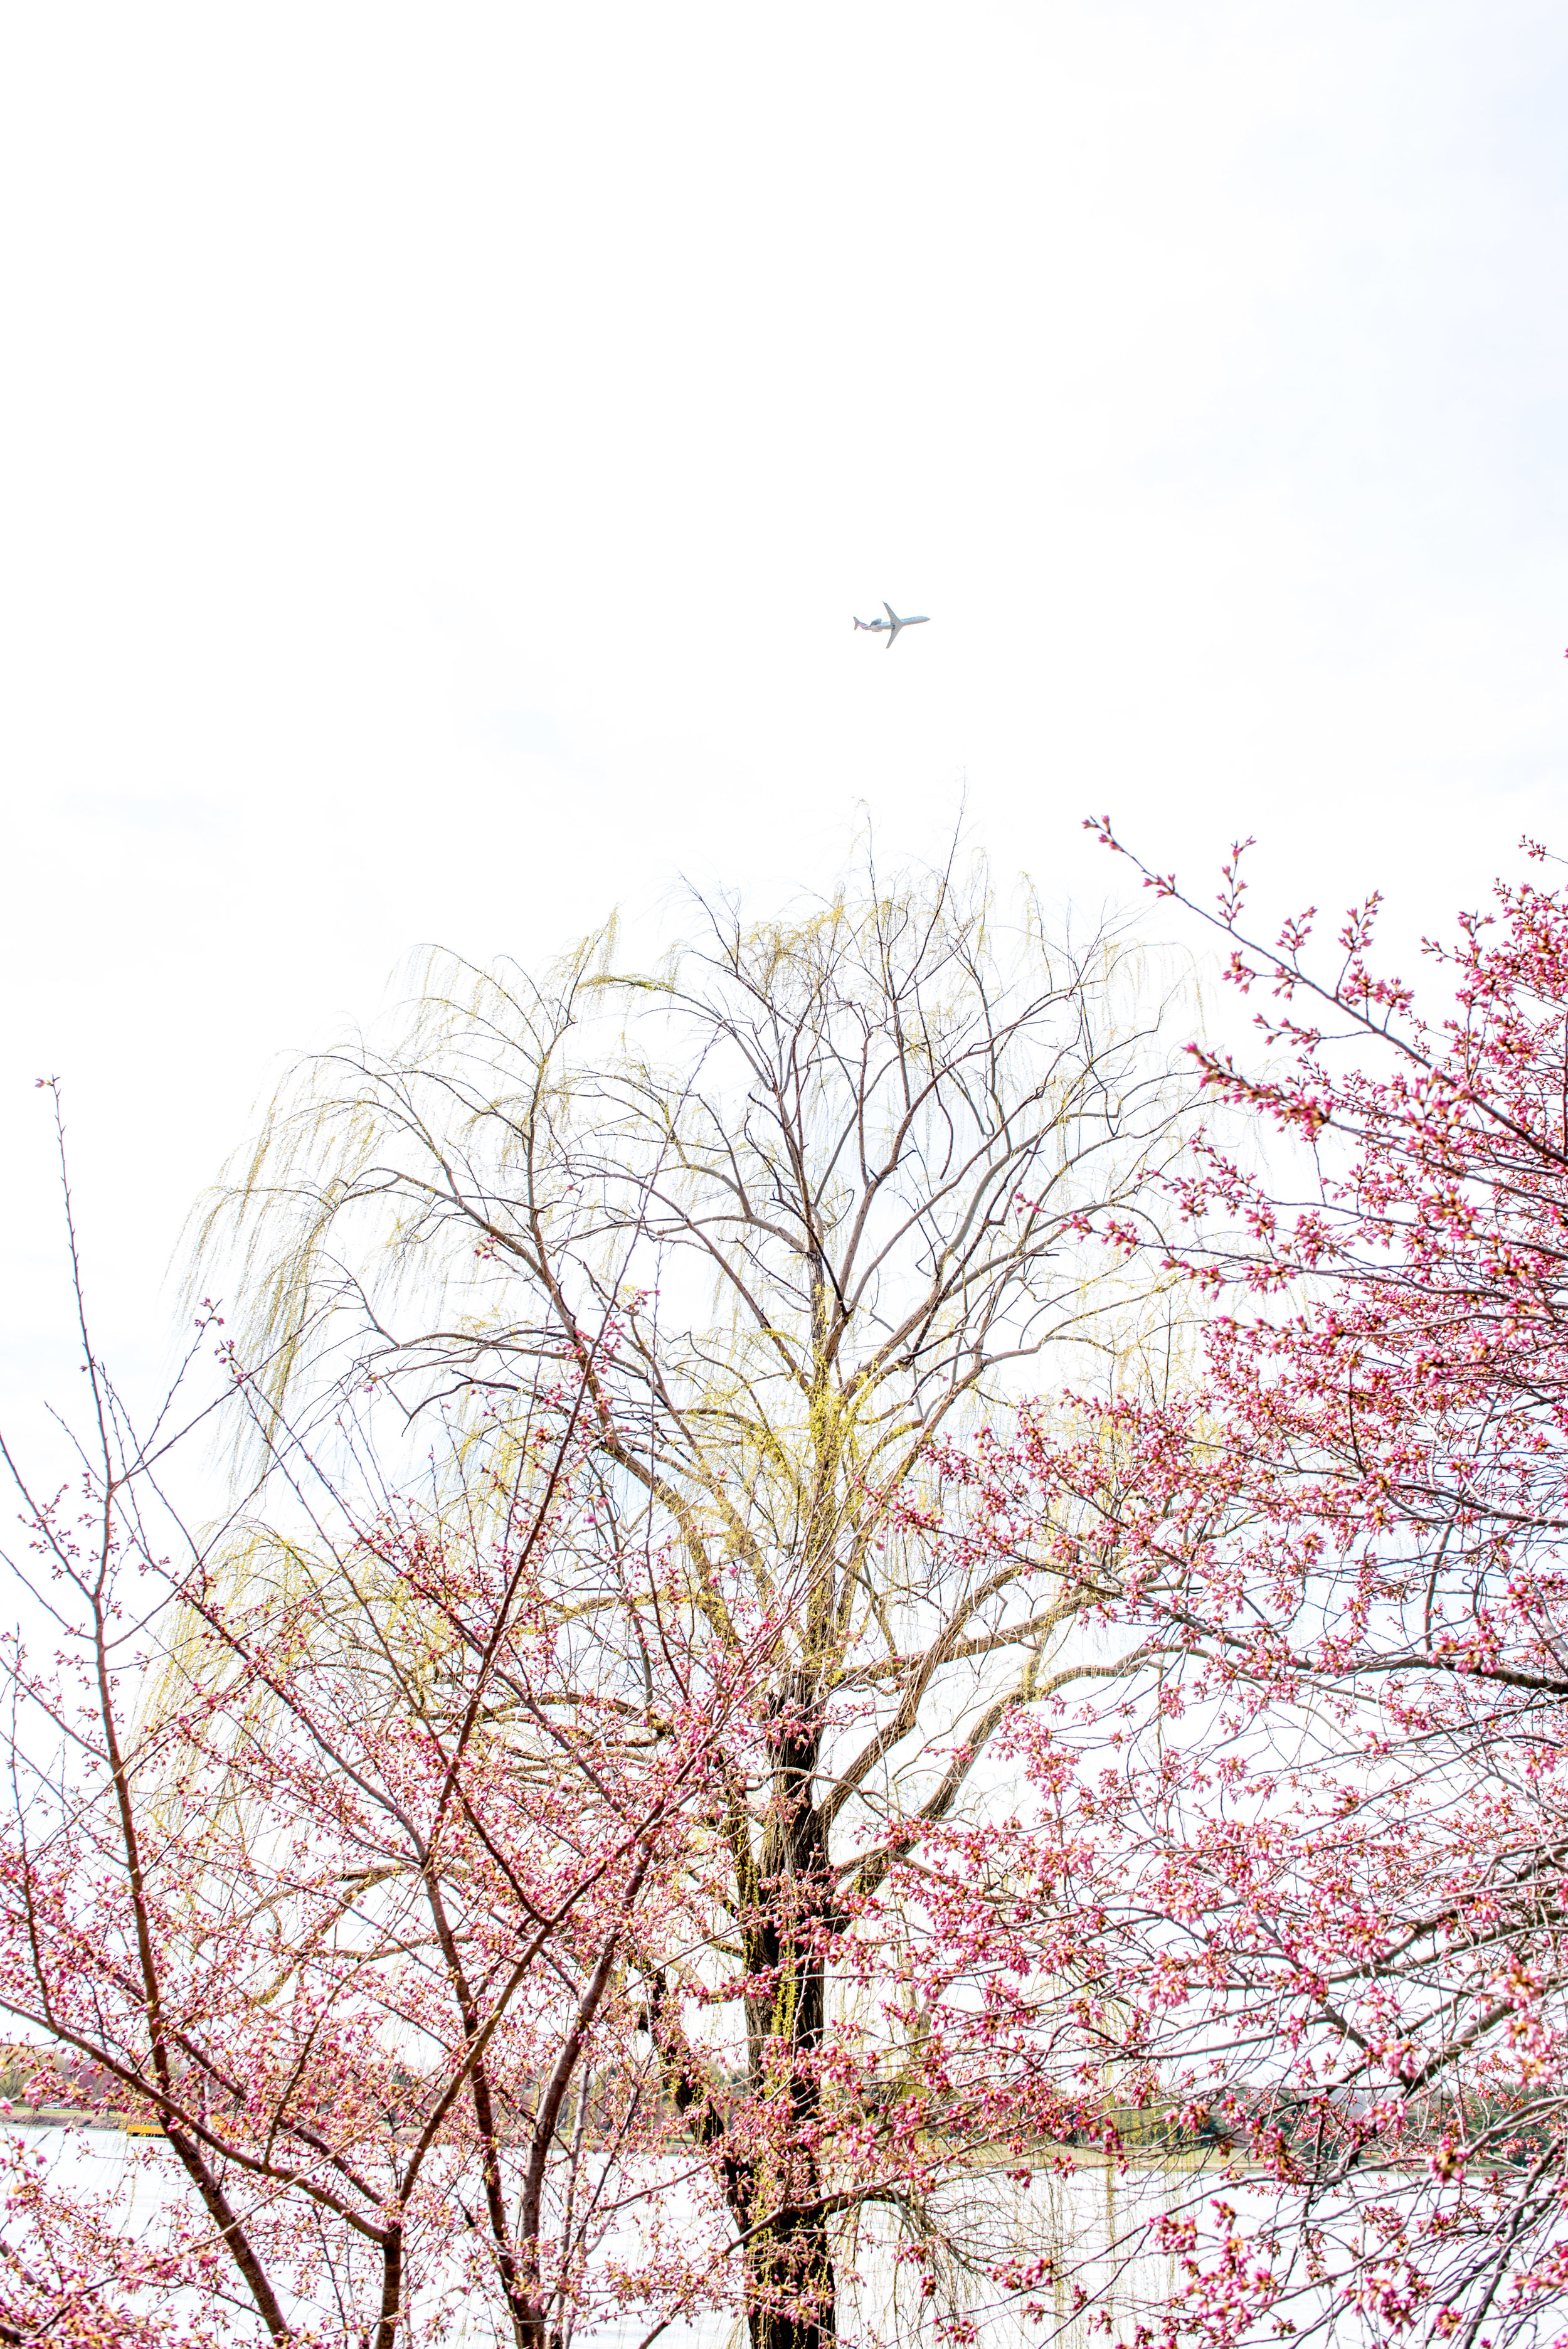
(862, 623)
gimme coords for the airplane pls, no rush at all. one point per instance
(892, 624)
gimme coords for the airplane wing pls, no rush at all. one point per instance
(892, 634)
(892, 616)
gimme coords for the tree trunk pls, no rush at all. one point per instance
(790, 2284)
(790, 2293)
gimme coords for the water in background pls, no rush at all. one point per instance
(1090, 2216)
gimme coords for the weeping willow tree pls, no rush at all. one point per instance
(809, 1195)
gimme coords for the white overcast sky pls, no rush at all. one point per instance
(443, 449)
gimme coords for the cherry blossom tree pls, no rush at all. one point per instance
(327, 1856)
(1293, 1888)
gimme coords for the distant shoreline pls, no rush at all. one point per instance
(46, 2116)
